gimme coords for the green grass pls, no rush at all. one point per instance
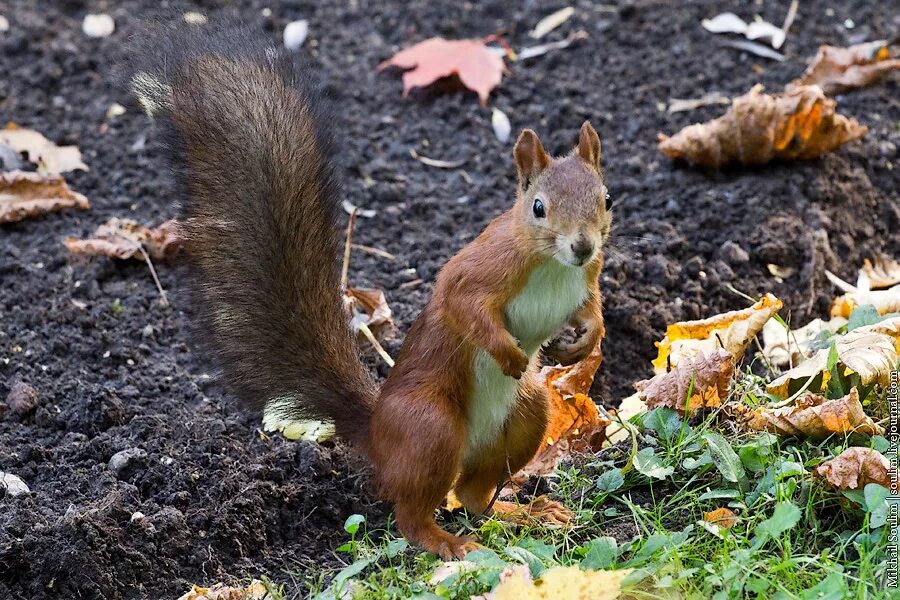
(794, 537)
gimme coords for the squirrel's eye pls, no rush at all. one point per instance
(538, 208)
(609, 201)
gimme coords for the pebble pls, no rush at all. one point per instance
(121, 460)
(733, 254)
(98, 26)
(4, 24)
(295, 34)
(22, 398)
(13, 485)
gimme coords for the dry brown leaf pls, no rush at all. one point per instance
(540, 510)
(817, 417)
(50, 158)
(872, 352)
(885, 301)
(255, 591)
(723, 517)
(369, 307)
(25, 195)
(575, 424)
(798, 124)
(124, 238)
(882, 272)
(782, 349)
(837, 70)
(854, 468)
(479, 68)
(559, 583)
(732, 331)
(708, 377)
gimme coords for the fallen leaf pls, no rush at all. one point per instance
(540, 510)
(434, 162)
(882, 272)
(786, 349)
(368, 306)
(551, 22)
(574, 423)
(856, 467)
(799, 124)
(255, 591)
(305, 429)
(885, 301)
(349, 207)
(754, 48)
(24, 195)
(295, 34)
(452, 567)
(500, 123)
(723, 517)
(124, 238)
(477, 66)
(628, 407)
(779, 272)
(870, 352)
(560, 583)
(732, 331)
(50, 158)
(727, 22)
(763, 30)
(708, 377)
(838, 70)
(681, 105)
(817, 417)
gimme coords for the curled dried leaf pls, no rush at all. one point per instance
(782, 348)
(50, 158)
(574, 424)
(854, 468)
(732, 331)
(817, 417)
(723, 517)
(837, 70)
(26, 195)
(882, 272)
(124, 238)
(540, 510)
(369, 306)
(707, 377)
(885, 301)
(478, 67)
(798, 124)
(255, 591)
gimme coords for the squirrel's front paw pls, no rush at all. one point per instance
(572, 346)
(513, 362)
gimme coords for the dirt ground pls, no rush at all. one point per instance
(220, 501)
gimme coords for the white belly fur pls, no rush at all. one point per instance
(553, 292)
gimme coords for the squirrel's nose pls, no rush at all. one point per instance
(582, 248)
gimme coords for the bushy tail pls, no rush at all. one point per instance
(261, 200)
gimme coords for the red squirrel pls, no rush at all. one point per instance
(463, 406)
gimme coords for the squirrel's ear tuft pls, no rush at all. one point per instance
(531, 158)
(589, 145)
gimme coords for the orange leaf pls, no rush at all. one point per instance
(709, 374)
(817, 417)
(837, 70)
(854, 468)
(25, 195)
(798, 124)
(123, 239)
(575, 423)
(477, 66)
(723, 517)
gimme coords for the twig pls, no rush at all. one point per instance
(791, 15)
(163, 300)
(375, 251)
(345, 268)
(632, 431)
(378, 348)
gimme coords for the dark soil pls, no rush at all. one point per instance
(114, 370)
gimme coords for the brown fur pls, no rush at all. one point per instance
(261, 212)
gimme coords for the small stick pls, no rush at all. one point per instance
(375, 251)
(163, 300)
(378, 348)
(791, 15)
(345, 268)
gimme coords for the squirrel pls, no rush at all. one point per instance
(463, 406)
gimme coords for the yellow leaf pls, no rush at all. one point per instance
(731, 331)
(885, 301)
(782, 349)
(561, 583)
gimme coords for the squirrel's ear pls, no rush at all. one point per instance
(589, 145)
(531, 158)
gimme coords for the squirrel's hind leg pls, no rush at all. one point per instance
(518, 443)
